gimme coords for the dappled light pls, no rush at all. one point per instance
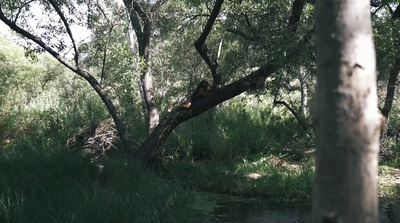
(197, 111)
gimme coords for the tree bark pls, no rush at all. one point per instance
(217, 95)
(142, 24)
(219, 92)
(347, 121)
(391, 87)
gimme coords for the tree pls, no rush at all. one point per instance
(142, 23)
(395, 69)
(250, 77)
(347, 121)
(16, 8)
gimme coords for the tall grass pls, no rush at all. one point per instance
(261, 178)
(58, 186)
(239, 131)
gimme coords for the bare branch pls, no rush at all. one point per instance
(37, 40)
(210, 22)
(20, 9)
(215, 97)
(242, 34)
(102, 12)
(202, 49)
(190, 19)
(103, 68)
(157, 5)
(64, 20)
(83, 73)
(377, 10)
(294, 113)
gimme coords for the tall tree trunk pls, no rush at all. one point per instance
(304, 93)
(347, 121)
(142, 24)
(391, 87)
(150, 100)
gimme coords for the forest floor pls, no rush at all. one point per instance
(389, 182)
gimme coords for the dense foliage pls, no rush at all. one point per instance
(56, 132)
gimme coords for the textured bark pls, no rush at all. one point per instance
(347, 121)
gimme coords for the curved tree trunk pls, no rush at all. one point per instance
(76, 69)
(347, 121)
(110, 107)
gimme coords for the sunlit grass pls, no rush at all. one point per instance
(263, 178)
(389, 182)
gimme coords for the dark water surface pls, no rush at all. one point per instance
(256, 211)
(253, 211)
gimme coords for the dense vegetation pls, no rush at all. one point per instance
(61, 157)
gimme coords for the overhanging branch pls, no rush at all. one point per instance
(37, 40)
(64, 20)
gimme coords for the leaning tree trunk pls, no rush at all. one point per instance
(347, 121)
(218, 95)
(391, 87)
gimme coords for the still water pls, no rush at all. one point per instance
(256, 211)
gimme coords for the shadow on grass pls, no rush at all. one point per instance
(59, 186)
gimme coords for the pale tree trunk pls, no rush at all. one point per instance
(142, 25)
(304, 92)
(347, 121)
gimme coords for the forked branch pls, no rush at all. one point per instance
(202, 48)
